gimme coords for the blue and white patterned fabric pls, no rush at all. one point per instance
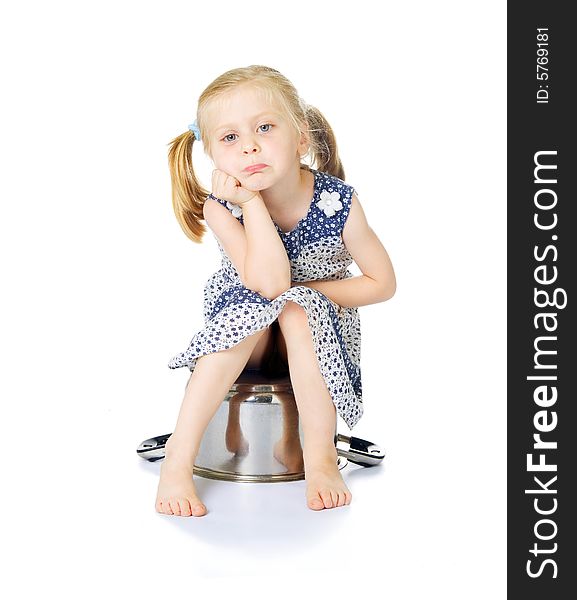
(316, 251)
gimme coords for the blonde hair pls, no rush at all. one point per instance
(188, 196)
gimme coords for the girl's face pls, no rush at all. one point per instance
(252, 140)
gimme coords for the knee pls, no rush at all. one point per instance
(293, 318)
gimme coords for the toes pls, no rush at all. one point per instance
(184, 508)
(181, 508)
(198, 509)
(165, 508)
(326, 497)
(316, 503)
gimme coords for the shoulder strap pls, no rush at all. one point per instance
(333, 201)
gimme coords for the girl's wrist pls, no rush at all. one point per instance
(249, 200)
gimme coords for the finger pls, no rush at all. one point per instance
(215, 176)
(224, 185)
(231, 184)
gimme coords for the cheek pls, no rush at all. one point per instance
(286, 148)
(220, 156)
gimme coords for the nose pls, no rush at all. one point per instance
(250, 146)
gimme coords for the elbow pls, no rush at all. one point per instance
(389, 291)
(389, 294)
(269, 285)
(274, 289)
(269, 289)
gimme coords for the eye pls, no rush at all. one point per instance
(268, 127)
(229, 137)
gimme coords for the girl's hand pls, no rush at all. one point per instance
(226, 187)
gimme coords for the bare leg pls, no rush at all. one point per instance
(325, 485)
(209, 383)
(288, 450)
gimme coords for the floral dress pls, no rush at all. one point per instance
(316, 252)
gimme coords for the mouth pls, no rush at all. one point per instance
(255, 168)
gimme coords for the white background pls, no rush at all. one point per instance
(101, 288)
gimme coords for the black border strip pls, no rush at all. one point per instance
(540, 267)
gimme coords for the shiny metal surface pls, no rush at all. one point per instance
(255, 436)
(359, 451)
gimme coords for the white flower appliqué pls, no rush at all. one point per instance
(236, 209)
(330, 203)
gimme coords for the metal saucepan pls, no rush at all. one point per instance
(255, 436)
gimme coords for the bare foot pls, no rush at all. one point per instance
(176, 494)
(325, 485)
(290, 454)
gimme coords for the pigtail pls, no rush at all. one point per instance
(188, 195)
(323, 143)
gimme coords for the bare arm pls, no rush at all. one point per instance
(377, 283)
(266, 263)
(256, 250)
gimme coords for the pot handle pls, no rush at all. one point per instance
(359, 451)
(354, 449)
(153, 449)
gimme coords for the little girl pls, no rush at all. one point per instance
(287, 233)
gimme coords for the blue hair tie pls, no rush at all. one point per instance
(194, 128)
